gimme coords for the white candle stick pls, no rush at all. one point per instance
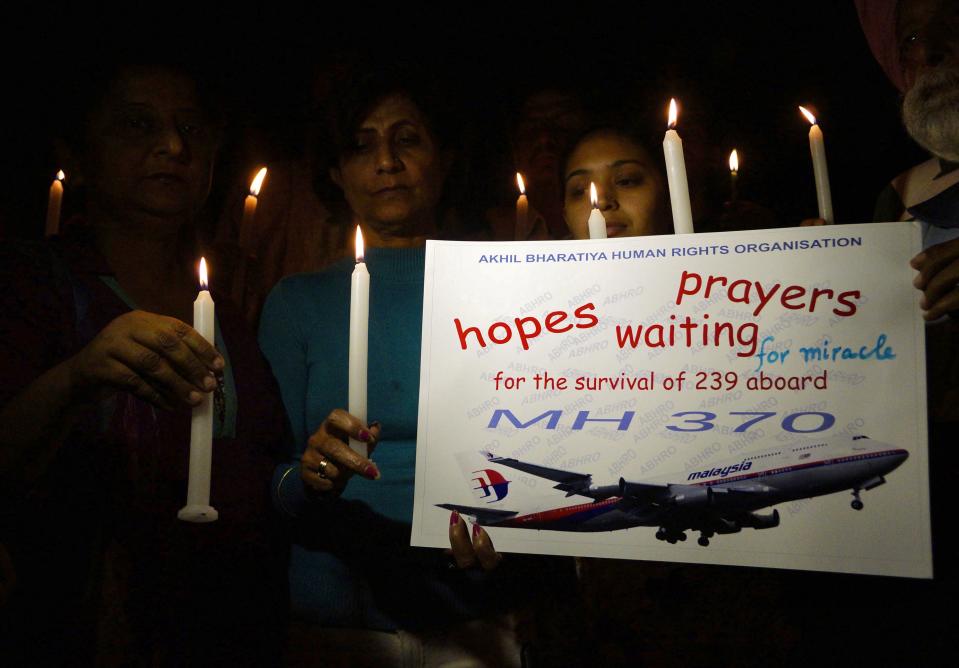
(249, 211)
(522, 210)
(596, 222)
(676, 174)
(53, 205)
(817, 148)
(239, 288)
(359, 339)
(733, 175)
(198, 508)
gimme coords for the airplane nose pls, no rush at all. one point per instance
(897, 458)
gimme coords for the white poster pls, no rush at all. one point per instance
(753, 398)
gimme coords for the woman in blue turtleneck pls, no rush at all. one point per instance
(361, 595)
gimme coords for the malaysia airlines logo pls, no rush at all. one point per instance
(490, 483)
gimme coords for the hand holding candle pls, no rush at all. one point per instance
(676, 174)
(198, 508)
(817, 149)
(359, 339)
(596, 222)
(54, 203)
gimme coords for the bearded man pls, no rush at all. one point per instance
(917, 44)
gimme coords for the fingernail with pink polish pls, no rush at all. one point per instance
(372, 472)
(476, 530)
(364, 435)
(454, 518)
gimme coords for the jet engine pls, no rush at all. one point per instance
(757, 521)
(688, 496)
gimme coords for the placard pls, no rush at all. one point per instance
(753, 398)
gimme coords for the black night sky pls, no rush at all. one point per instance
(739, 70)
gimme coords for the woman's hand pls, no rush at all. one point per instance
(154, 357)
(329, 463)
(938, 277)
(467, 553)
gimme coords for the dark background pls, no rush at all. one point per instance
(739, 70)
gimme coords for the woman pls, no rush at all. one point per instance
(629, 183)
(353, 568)
(650, 618)
(100, 371)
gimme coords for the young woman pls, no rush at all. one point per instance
(630, 184)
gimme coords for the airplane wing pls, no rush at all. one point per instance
(567, 481)
(693, 505)
(740, 492)
(643, 492)
(483, 515)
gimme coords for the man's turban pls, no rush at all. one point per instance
(878, 20)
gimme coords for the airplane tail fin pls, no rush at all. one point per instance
(484, 516)
(487, 482)
(494, 483)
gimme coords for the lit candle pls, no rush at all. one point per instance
(53, 205)
(596, 222)
(676, 174)
(522, 209)
(249, 211)
(733, 175)
(239, 288)
(198, 508)
(359, 338)
(817, 147)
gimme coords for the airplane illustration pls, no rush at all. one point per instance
(721, 499)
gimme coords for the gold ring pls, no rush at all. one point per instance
(322, 472)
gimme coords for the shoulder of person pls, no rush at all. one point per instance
(297, 296)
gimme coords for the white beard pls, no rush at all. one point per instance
(930, 112)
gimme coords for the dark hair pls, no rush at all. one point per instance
(356, 92)
(89, 84)
(641, 137)
(354, 100)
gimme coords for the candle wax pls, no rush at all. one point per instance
(359, 347)
(198, 507)
(597, 224)
(678, 186)
(53, 208)
(817, 148)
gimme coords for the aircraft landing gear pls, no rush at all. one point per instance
(670, 537)
(856, 501)
(704, 537)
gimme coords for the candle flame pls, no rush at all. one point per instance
(359, 244)
(734, 161)
(808, 115)
(593, 197)
(61, 176)
(673, 113)
(519, 182)
(257, 182)
(204, 281)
